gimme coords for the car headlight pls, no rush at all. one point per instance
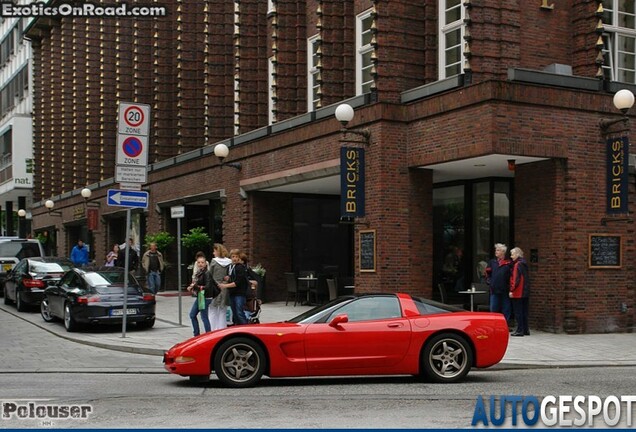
(183, 359)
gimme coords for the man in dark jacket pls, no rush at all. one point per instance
(133, 256)
(498, 278)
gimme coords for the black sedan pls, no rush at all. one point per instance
(26, 282)
(97, 297)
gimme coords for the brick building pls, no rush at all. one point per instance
(483, 124)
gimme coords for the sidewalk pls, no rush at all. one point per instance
(538, 350)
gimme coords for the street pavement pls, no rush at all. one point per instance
(540, 349)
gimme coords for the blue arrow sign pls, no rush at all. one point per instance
(126, 198)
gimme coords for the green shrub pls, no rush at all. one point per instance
(196, 239)
(161, 238)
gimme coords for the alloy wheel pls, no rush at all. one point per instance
(447, 358)
(45, 311)
(240, 362)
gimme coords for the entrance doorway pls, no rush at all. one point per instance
(468, 219)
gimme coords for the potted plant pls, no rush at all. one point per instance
(196, 239)
(162, 239)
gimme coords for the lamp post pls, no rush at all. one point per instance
(221, 151)
(344, 114)
(22, 223)
(623, 101)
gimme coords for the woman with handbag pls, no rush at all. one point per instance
(204, 293)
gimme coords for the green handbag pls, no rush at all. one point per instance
(201, 299)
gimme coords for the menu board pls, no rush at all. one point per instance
(367, 250)
(605, 251)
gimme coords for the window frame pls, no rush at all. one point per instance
(611, 56)
(445, 29)
(361, 51)
(312, 73)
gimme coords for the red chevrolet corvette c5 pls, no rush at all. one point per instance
(367, 334)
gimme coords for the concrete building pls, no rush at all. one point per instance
(16, 147)
(475, 122)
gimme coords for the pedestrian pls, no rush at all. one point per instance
(194, 265)
(79, 254)
(152, 263)
(133, 256)
(111, 258)
(498, 279)
(201, 284)
(219, 269)
(520, 291)
(237, 285)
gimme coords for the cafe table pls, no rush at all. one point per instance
(311, 279)
(472, 293)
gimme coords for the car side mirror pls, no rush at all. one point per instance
(339, 319)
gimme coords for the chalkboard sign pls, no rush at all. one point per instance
(367, 250)
(605, 251)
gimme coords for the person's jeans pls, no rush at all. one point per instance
(500, 303)
(204, 317)
(154, 281)
(237, 306)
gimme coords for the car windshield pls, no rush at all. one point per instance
(315, 314)
(48, 267)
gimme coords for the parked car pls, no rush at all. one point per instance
(85, 296)
(12, 250)
(26, 282)
(368, 334)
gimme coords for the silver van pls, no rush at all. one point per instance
(12, 250)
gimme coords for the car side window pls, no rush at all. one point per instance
(370, 308)
(67, 279)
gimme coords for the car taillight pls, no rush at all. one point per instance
(89, 299)
(33, 283)
(149, 297)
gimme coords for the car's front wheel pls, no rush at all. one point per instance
(239, 362)
(45, 311)
(69, 322)
(447, 358)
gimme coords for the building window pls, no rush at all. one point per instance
(270, 91)
(451, 33)
(619, 50)
(313, 85)
(364, 51)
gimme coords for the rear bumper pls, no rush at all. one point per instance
(32, 297)
(102, 314)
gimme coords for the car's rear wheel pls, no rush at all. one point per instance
(69, 322)
(6, 297)
(146, 324)
(45, 311)
(447, 358)
(19, 303)
(239, 362)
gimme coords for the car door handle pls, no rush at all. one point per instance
(395, 325)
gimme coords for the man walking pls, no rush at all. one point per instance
(79, 254)
(152, 262)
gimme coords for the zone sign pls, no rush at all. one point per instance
(134, 118)
(132, 150)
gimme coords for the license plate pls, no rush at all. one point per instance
(120, 312)
(7, 267)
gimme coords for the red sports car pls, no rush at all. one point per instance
(368, 334)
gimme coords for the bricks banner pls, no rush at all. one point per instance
(617, 175)
(351, 182)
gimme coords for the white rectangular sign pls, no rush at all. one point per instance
(131, 174)
(177, 212)
(132, 150)
(134, 118)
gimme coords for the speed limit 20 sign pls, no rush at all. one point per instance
(134, 118)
